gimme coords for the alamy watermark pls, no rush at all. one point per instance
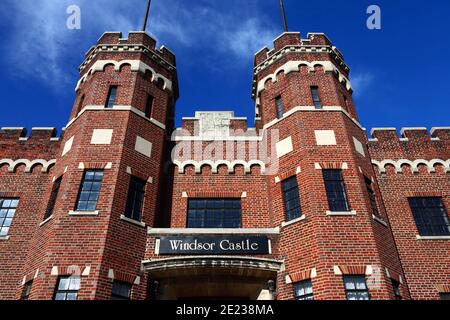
(74, 19)
(374, 19)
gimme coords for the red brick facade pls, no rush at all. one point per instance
(217, 156)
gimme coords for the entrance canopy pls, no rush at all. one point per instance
(212, 277)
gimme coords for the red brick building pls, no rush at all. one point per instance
(304, 205)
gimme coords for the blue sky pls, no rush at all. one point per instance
(401, 74)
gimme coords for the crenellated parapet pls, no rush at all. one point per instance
(315, 50)
(38, 147)
(414, 147)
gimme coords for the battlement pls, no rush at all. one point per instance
(318, 41)
(37, 135)
(386, 143)
(137, 42)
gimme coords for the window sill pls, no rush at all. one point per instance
(84, 213)
(341, 213)
(45, 221)
(4, 238)
(288, 223)
(186, 231)
(433, 237)
(379, 220)
(137, 223)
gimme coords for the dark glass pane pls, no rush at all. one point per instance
(149, 106)
(7, 211)
(291, 198)
(431, 216)
(135, 199)
(335, 188)
(89, 191)
(279, 105)
(304, 290)
(111, 97)
(216, 213)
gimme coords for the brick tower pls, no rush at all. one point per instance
(302, 90)
(114, 143)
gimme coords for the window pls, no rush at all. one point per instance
(135, 200)
(111, 100)
(53, 197)
(67, 288)
(121, 291)
(279, 105)
(8, 209)
(90, 190)
(372, 197)
(27, 290)
(214, 213)
(397, 291)
(149, 106)
(316, 97)
(291, 199)
(431, 216)
(356, 288)
(334, 184)
(444, 296)
(304, 290)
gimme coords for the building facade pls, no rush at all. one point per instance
(305, 205)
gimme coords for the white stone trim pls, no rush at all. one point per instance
(29, 164)
(128, 170)
(4, 238)
(111, 274)
(402, 130)
(108, 166)
(284, 147)
(86, 271)
(54, 271)
(136, 65)
(359, 147)
(325, 137)
(244, 194)
(379, 220)
(288, 223)
(413, 164)
(317, 166)
(102, 136)
(294, 66)
(438, 128)
(137, 223)
(214, 165)
(184, 195)
(67, 146)
(143, 146)
(84, 213)
(117, 108)
(369, 270)
(45, 221)
(81, 166)
(437, 238)
(341, 213)
(337, 270)
(313, 273)
(298, 170)
(288, 279)
(186, 231)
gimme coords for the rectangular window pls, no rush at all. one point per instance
(444, 296)
(316, 97)
(356, 288)
(67, 288)
(27, 290)
(337, 196)
(112, 94)
(214, 213)
(53, 197)
(431, 216)
(8, 209)
(372, 197)
(304, 290)
(291, 199)
(121, 291)
(279, 105)
(90, 190)
(149, 106)
(135, 199)
(397, 291)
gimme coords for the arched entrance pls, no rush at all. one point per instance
(212, 278)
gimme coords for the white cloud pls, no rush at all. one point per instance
(40, 44)
(361, 82)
